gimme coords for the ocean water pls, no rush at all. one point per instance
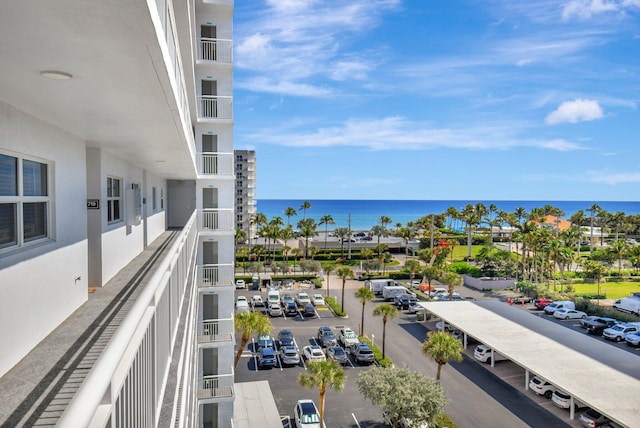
(365, 213)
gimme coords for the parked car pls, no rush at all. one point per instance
(633, 339)
(337, 353)
(313, 353)
(597, 324)
(593, 418)
(563, 400)
(402, 302)
(285, 338)
(483, 353)
(242, 304)
(267, 358)
(317, 300)
(326, 337)
(285, 299)
(265, 341)
(542, 302)
(587, 319)
(306, 414)
(541, 387)
(303, 299)
(291, 309)
(289, 355)
(559, 304)
(347, 337)
(240, 283)
(309, 311)
(565, 314)
(275, 310)
(362, 353)
(256, 300)
(619, 331)
(414, 308)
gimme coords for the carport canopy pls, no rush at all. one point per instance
(609, 391)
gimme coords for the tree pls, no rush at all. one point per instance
(407, 233)
(304, 207)
(240, 237)
(342, 233)
(344, 273)
(323, 374)
(250, 323)
(290, 212)
(364, 294)
(472, 216)
(386, 311)
(442, 347)
(328, 267)
(412, 265)
(595, 270)
(452, 279)
(401, 392)
(307, 228)
(430, 273)
(593, 211)
(326, 220)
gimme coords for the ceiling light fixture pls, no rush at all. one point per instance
(55, 75)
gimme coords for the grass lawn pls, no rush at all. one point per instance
(461, 251)
(613, 290)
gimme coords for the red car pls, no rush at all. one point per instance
(542, 302)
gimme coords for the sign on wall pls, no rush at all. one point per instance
(93, 204)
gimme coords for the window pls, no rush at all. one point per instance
(24, 201)
(153, 198)
(161, 199)
(239, 201)
(114, 200)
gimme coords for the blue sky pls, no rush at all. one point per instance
(440, 99)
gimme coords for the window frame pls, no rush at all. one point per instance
(43, 201)
(111, 199)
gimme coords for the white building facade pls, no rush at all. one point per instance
(116, 124)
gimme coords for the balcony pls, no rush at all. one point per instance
(216, 50)
(215, 275)
(216, 386)
(214, 331)
(215, 163)
(215, 219)
(215, 107)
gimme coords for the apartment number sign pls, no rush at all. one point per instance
(93, 204)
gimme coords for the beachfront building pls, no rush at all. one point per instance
(116, 133)
(245, 170)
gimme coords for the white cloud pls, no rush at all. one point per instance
(575, 111)
(586, 9)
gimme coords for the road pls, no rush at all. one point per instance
(477, 396)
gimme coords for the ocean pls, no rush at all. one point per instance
(365, 213)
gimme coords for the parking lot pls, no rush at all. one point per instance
(343, 409)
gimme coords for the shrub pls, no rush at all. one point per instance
(377, 352)
(335, 307)
(443, 421)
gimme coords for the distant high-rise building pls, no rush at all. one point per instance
(245, 169)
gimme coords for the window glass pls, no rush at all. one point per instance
(34, 178)
(8, 175)
(35, 220)
(8, 233)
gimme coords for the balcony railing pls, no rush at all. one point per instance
(215, 275)
(220, 330)
(215, 107)
(215, 219)
(216, 386)
(218, 50)
(215, 163)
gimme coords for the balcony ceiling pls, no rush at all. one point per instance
(119, 97)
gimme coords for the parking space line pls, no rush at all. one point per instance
(354, 418)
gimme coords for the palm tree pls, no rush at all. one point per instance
(386, 311)
(596, 270)
(472, 217)
(593, 211)
(307, 228)
(407, 233)
(619, 248)
(453, 280)
(290, 212)
(328, 267)
(379, 230)
(342, 233)
(240, 236)
(364, 294)
(250, 323)
(430, 273)
(326, 220)
(323, 374)
(304, 207)
(412, 266)
(442, 347)
(344, 273)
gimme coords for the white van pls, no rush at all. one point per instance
(560, 304)
(273, 297)
(391, 291)
(376, 285)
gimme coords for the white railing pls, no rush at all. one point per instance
(216, 219)
(216, 386)
(211, 275)
(215, 163)
(220, 330)
(116, 381)
(219, 50)
(215, 107)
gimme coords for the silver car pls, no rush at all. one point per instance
(290, 355)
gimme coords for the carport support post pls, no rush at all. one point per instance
(526, 379)
(572, 409)
(493, 359)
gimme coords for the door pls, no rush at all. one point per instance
(208, 42)
(209, 98)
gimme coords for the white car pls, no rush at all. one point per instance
(313, 353)
(241, 300)
(306, 414)
(563, 400)
(303, 299)
(541, 387)
(347, 337)
(317, 300)
(240, 283)
(565, 314)
(483, 353)
(275, 310)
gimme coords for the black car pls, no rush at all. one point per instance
(285, 338)
(291, 309)
(309, 311)
(403, 302)
(597, 325)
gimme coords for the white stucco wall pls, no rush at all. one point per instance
(155, 218)
(38, 286)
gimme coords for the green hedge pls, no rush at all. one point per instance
(377, 352)
(335, 307)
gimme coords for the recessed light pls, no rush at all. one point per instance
(55, 75)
